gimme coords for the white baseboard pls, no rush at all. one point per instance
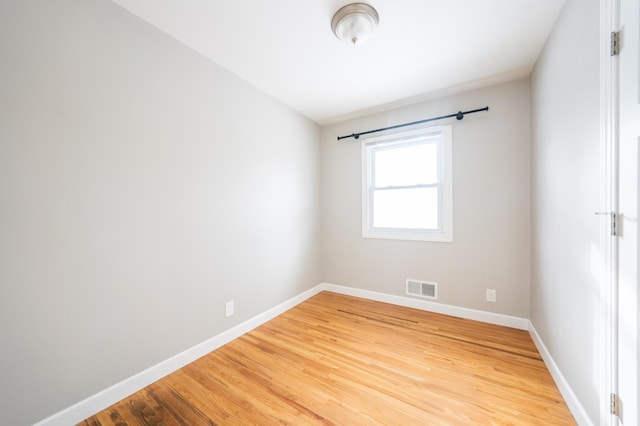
(425, 305)
(98, 402)
(104, 399)
(576, 408)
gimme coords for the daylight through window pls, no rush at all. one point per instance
(407, 191)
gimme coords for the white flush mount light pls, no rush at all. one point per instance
(354, 23)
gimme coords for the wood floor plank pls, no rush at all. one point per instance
(341, 360)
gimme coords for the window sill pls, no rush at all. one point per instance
(408, 235)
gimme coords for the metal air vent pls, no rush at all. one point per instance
(426, 289)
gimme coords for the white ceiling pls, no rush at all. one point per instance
(421, 47)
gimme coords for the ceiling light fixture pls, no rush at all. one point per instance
(354, 23)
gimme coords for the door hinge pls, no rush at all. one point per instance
(614, 404)
(615, 43)
(614, 221)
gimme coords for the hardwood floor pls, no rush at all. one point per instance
(340, 360)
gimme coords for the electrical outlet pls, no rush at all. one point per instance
(491, 295)
(228, 309)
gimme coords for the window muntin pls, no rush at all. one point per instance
(407, 185)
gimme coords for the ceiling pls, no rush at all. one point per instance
(421, 49)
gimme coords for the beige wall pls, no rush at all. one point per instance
(141, 187)
(490, 202)
(565, 288)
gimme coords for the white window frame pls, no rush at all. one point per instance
(443, 134)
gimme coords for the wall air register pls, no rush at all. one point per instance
(426, 289)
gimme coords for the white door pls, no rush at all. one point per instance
(628, 160)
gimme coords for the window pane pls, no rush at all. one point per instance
(406, 165)
(415, 208)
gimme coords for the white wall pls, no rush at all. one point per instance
(141, 187)
(565, 293)
(491, 206)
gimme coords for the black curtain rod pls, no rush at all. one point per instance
(458, 115)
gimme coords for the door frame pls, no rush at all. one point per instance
(609, 140)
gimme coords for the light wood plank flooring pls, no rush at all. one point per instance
(340, 360)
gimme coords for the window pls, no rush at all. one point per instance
(406, 185)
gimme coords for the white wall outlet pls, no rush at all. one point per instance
(228, 309)
(491, 295)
